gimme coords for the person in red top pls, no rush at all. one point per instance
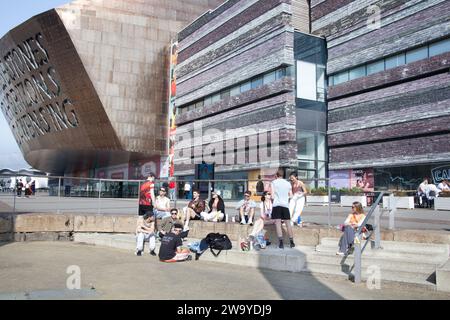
(147, 196)
(172, 186)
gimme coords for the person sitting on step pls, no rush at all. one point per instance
(246, 209)
(145, 231)
(352, 223)
(171, 249)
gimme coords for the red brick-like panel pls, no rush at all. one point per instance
(327, 7)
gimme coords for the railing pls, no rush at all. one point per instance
(358, 250)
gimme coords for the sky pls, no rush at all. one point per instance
(15, 13)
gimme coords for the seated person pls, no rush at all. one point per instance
(217, 209)
(168, 222)
(145, 231)
(171, 250)
(444, 185)
(194, 209)
(351, 224)
(431, 193)
(266, 216)
(162, 204)
(246, 209)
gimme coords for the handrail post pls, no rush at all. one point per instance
(329, 205)
(209, 189)
(357, 273)
(99, 196)
(59, 193)
(377, 227)
(15, 193)
(392, 210)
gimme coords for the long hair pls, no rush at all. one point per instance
(358, 207)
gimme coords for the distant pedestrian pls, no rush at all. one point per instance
(147, 196)
(172, 189)
(297, 202)
(187, 190)
(19, 186)
(281, 190)
(259, 187)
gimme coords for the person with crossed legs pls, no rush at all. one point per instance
(171, 249)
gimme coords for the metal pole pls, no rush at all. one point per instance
(357, 272)
(99, 197)
(15, 193)
(392, 210)
(176, 192)
(329, 206)
(59, 193)
(377, 228)
(209, 189)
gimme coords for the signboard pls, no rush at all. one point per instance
(172, 108)
(440, 173)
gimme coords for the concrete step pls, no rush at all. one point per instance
(298, 259)
(401, 277)
(397, 246)
(382, 254)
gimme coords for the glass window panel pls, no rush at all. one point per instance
(225, 94)
(320, 75)
(331, 80)
(395, 61)
(199, 105)
(246, 86)
(290, 71)
(215, 98)
(375, 67)
(321, 147)
(281, 73)
(358, 72)
(269, 77)
(306, 145)
(439, 47)
(207, 101)
(235, 91)
(306, 81)
(416, 54)
(257, 82)
(340, 77)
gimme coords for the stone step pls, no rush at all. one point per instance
(397, 246)
(401, 277)
(383, 263)
(382, 254)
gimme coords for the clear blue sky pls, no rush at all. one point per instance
(11, 15)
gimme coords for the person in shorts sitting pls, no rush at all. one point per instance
(171, 246)
(194, 209)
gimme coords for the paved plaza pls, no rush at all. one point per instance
(38, 270)
(404, 219)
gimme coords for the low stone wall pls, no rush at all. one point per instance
(28, 227)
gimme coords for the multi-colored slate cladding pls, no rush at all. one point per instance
(239, 41)
(398, 116)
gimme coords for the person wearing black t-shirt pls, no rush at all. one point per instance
(171, 246)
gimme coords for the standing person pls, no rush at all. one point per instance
(281, 190)
(172, 189)
(216, 208)
(246, 209)
(147, 196)
(187, 189)
(171, 247)
(19, 186)
(259, 187)
(162, 204)
(297, 202)
(194, 209)
(145, 231)
(351, 224)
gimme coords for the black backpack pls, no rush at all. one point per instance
(217, 241)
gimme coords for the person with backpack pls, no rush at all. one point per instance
(281, 191)
(171, 249)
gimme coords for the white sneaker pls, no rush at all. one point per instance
(339, 253)
(186, 228)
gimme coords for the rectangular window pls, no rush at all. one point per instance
(375, 67)
(257, 82)
(340, 77)
(439, 47)
(281, 73)
(199, 105)
(215, 98)
(357, 72)
(246, 86)
(320, 76)
(321, 147)
(416, 54)
(207, 101)
(225, 94)
(331, 80)
(306, 145)
(306, 81)
(395, 61)
(269, 78)
(235, 91)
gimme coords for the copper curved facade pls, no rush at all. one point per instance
(84, 86)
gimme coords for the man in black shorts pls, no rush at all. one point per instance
(281, 191)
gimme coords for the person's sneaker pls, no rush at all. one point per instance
(153, 253)
(138, 253)
(243, 222)
(268, 243)
(292, 244)
(339, 253)
(186, 228)
(189, 258)
(281, 245)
